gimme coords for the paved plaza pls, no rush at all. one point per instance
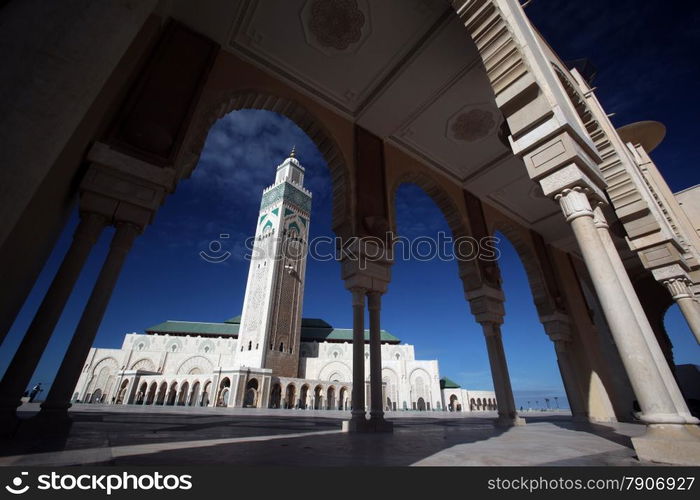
(125, 435)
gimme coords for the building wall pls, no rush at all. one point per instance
(146, 361)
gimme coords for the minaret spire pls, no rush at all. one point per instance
(293, 154)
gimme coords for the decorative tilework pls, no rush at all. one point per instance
(287, 193)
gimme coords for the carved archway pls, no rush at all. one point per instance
(219, 106)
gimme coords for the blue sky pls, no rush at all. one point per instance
(165, 278)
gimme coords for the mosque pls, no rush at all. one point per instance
(270, 357)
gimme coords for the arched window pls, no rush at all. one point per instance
(250, 345)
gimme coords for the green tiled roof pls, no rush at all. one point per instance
(446, 383)
(195, 328)
(312, 329)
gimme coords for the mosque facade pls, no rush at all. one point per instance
(269, 357)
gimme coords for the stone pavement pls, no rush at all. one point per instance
(124, 435)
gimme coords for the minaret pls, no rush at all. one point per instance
(270, 328)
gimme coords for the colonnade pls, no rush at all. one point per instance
(112, 193)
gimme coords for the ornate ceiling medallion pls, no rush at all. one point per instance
(335, 26)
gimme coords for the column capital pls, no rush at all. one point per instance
(557, 326)
(122, 187)
(574, 202)
(358, 296)
(676, 280)
(368, 269)
(486, 304)
(679, 288)
(599, 217)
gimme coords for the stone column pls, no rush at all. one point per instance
(375, 357)
(690, 307)
(58, 399)
(27, 357)
(358, 356)
(641, 317)
(486, 304)
(654, 399)
(558, 329)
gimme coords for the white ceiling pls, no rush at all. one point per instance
(406, 70)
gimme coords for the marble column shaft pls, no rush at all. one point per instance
(358, 353)
(30, 350)
(499, 371)
(641, 317)
(84, 336)
(649, 387)
(375, 355)
(571, 386)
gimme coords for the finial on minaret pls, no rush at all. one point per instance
(294, 152)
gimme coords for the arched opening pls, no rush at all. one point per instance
(204, 400)
(183, 393)
(453, 403)
(330, 398)
(524, 338)
(290, 395)
(686, 353)
(122, 394)
(150, 398)
(160, 400)
(276, 396)
(342, 398)
(224, 392)
(141, 394)
(172, 394)
(318, 397)
(96, 396)
(426, 277)
(194, 395)
(251, 394)
(304, 397)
